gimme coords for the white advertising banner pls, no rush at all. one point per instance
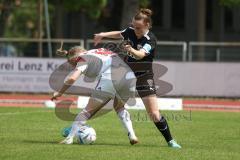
(187, 79)
(163, 103)
(27, 74)
(203, 78)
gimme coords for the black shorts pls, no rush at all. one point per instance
(145, 85)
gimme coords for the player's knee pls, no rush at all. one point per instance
(118, 109)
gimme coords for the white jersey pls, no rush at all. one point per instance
(114, 76)
(96, 62)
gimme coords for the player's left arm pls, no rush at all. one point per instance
(138, 54)
(141, 53)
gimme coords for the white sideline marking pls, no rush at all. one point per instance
(212, 106)
(16, 113)
(24, 101)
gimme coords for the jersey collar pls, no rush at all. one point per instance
(146, 35)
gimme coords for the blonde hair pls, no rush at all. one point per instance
(75, 51)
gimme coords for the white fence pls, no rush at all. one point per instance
(217, 47)
(181, 46)
(18, 44)
(167, 50)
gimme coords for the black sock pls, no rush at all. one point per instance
(164, 129)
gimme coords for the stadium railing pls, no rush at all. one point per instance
(176, 50)
(214, 51)
(166, 50)
(33, 47)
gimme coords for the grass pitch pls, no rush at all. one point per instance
(34, 133)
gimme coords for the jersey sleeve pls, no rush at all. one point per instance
(125, 33)
(82, 67)
(149, 46)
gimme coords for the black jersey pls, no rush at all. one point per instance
(147, 43)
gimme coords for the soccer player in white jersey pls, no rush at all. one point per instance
(115, 81)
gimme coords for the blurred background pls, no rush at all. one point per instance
(198, 53)
(186, 21)
(198, 40)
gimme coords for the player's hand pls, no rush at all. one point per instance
(128, 48)
(97, 38)
(56, 95)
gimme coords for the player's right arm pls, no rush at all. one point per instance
(69, 81)
(113, 34)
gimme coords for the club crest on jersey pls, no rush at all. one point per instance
(139, 46)
(150, 82)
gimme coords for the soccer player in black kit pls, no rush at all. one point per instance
(141, 52)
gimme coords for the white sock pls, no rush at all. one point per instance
(80, 120)
(124, 116)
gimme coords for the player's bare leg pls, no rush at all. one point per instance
(124, 116)
(93, 106)
(151, 106)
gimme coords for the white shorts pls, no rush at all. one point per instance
(110, 85)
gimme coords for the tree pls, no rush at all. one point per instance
(230, 3)
(92, 8)
(6, 7)
(19, 18)
(202, 19)
(201, 15)
(129, 9)
(201, 11)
